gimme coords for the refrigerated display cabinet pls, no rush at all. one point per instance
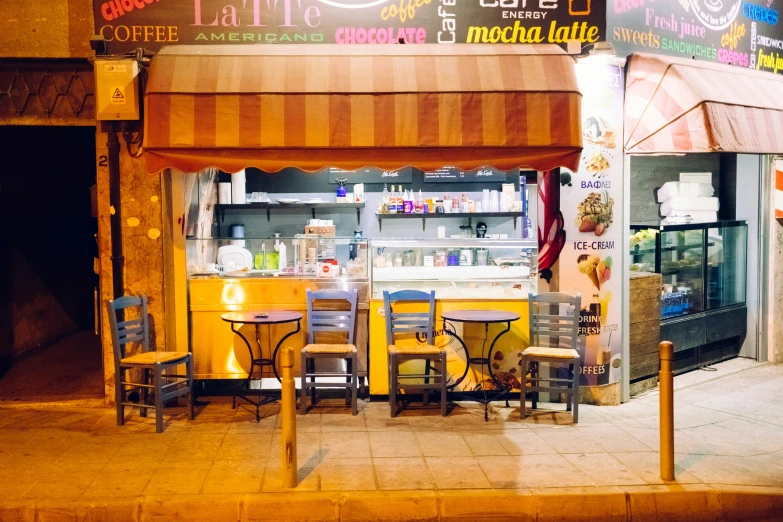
(704, 272)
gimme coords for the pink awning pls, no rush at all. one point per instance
(674, 106)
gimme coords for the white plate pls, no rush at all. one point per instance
(235, 258)
(314, 201)
(287, 201)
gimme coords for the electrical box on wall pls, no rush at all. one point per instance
(117, 89)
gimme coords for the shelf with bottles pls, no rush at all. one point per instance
(407, 205)
(453, 215)
(304, 255)
(297, 206)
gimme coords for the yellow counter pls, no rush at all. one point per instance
(505, 355)
(220, 354)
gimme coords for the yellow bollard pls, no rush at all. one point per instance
(288, 420)
(666, 382)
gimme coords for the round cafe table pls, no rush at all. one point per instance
(258, 318)
(486, 317)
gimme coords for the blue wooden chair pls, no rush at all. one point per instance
(164, 385)
(434, 357)
(339, 324)
(556, 317)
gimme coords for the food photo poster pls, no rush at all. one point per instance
(591, 202)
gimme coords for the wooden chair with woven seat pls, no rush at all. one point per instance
(164, 385)
(555, 316)
(434, 357)
(339, 324)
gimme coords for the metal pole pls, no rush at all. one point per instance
(117, 259)
(288, 420)
(666, 382)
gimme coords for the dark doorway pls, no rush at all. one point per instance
(48, 244)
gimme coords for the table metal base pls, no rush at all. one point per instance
(242, 393)
(482, 361)
(258, 402)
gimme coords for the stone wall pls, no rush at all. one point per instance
(776, 303)
(142, 245)
(59, 29)
(46, 29)
(58, 88)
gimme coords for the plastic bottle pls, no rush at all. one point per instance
(420, 204)
(408, 202)
(392, 202)
(385, 200)
(282, 261)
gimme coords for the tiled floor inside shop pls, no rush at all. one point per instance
(729, 431)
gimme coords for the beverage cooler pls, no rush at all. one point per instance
(704, 275)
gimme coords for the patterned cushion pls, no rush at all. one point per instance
(415, 349)
(153, 357)
(329, 348)
(555, 353)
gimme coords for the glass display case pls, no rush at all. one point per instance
(458, 268)
(726, 265)
(305, 255)
(703, 264)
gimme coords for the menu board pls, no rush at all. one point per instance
(152, 24)
(371, 175)
(455, 175)
(591, 201)
(736, 32)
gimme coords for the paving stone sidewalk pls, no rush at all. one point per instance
(729, 434)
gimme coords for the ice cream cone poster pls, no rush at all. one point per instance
(598, 270)
(590, 199)
(600, 339)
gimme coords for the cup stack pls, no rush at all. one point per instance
(224, 193)
(238, 188)
(493, 201)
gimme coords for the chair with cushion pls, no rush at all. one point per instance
(553, 316)
(165, 385)
(328, 319)
(414, 323)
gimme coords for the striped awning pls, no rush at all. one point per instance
(388, 106)
(675, 106)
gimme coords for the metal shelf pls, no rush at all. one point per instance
(673, 248)
(454, 215)
(657, 225)
(268, 207)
